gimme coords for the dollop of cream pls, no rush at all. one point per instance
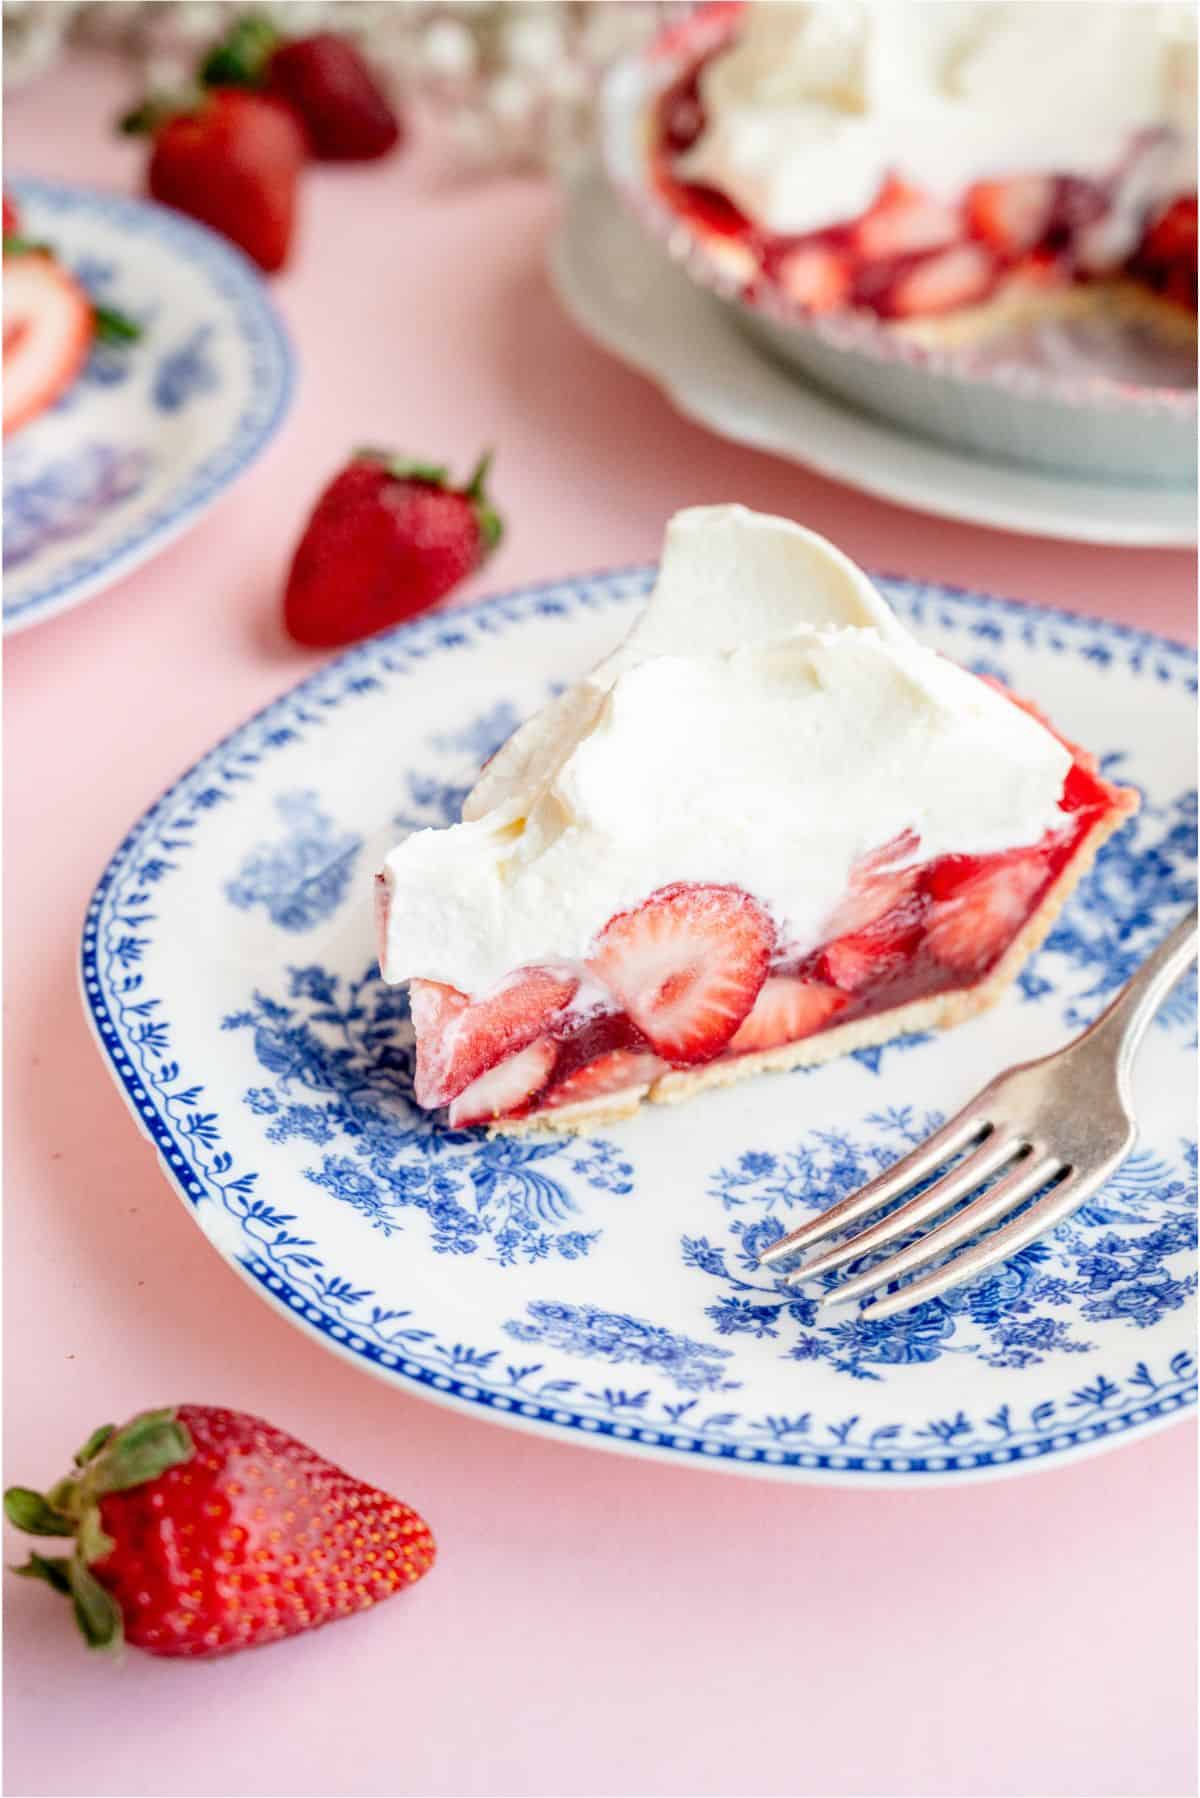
(815, 104)
(767, 722)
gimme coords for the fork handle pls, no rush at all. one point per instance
(1134, 1006)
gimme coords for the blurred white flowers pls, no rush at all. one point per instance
(515, 78)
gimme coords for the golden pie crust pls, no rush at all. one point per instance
(1022, 303)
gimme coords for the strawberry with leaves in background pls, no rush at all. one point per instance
(196, 1531)
(345, 114)
(229, 149)
(230, 159)
(387, 538)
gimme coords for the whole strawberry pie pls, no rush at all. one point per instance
(769, 829)
(946, 168)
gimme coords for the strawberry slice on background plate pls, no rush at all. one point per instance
(49, 325)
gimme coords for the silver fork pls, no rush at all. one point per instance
(1064, 1121)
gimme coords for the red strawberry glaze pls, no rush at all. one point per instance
(912, 933)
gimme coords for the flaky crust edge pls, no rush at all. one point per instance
(1025, 302)
(941, 1011)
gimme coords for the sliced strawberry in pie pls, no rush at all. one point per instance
(854, 962)
(815, 276)
(769, 829)
(978, 905)
(956, 277)
(506, 1088)
(1014, 215)
(877, 889)
(787, 1010)
(618, 1071)
(687, 966)
(904, 222)
(49, 326)
(459, 1040)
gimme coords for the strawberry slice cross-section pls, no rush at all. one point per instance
(458, 1039)
(505, 1088)
(48, 329)
(786, 1010)
(687, 966)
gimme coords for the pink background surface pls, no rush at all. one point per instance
(595, 1625)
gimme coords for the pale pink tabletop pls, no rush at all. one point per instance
(595, 1625)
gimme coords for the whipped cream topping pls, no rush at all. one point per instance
(766, 723)
(815, 104)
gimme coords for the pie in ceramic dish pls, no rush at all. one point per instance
(948, 169)
(770, 828)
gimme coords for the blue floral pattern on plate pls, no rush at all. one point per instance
(338, 1067)
(154, 430)
(609, 1290)
(63, 498)
(302, 877)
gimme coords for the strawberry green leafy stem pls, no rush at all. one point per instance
(111, 326)
(240, 58)
(436, 474)
(111, 1460)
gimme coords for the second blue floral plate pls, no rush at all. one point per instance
(152, 432)
(608, 1291)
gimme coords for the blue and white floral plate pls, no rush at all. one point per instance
(608, 1291)
(152, 432)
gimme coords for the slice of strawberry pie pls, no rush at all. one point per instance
(770, 828)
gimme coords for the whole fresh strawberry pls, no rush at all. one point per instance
(232, 160)
(387, 539)
(12, 218)
(199, 1531)
(345, 114)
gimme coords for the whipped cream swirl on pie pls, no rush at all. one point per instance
(767, 724)
(816, 104)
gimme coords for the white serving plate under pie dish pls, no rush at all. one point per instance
(632, 299)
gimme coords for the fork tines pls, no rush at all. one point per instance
(991, 1150)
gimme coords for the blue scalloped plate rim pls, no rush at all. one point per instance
(242, 289)
(1124, 1409)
